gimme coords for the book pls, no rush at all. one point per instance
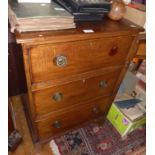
(133, 113)
(34, 1)
(131, 108)
(127, 103)
(38, 17)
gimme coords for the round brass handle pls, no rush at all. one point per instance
(96, 110)
(57, 124)
(57, 96)
(60, 61)
(103, 84)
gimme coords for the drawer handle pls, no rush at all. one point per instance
(96, 110)
(113, 51)
(57, 96)
(57, 124)
(60, 61)
(103, 84)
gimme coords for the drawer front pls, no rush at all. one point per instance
(59, 123)
(63, 96)
(49, 62)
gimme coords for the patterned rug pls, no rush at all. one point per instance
(99, 140)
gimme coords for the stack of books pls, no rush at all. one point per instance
(86, 10)
(25, 17)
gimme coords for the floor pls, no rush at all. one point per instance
(26, 147)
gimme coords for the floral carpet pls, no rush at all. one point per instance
(99, 140)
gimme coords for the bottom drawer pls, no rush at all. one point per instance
(58, 123)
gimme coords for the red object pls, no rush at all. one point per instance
(133, 6)
(142, 84)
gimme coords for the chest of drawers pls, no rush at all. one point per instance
(72, 76)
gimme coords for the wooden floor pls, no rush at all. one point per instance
(26, 147)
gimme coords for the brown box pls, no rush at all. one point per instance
(136, 14)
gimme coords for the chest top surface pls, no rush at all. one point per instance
(107, 28)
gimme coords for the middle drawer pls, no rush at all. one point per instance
(76, 92)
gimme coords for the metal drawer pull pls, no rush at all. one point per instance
(103, 84)
(61, 61)
(96, 110)
(57, 96)
(57, 124)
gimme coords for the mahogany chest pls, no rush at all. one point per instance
(73, 76)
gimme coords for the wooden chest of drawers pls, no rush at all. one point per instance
(72, 76)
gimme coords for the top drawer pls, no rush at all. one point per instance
(51, 61)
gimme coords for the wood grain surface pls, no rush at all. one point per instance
(66, 94)
(82, 56)
(73, 118)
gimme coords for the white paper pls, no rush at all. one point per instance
(88, 31)
(133, 113)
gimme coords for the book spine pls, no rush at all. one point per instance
(34, 1)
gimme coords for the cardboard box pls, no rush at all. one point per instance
(123, 124)
(136, 13)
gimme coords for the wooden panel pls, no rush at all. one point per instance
(74, 92)
(16, 74)
(141, 51)
(72, 118)
(82, 56)
(106, 28)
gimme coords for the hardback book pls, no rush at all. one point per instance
(38, 17)
(34, 1)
